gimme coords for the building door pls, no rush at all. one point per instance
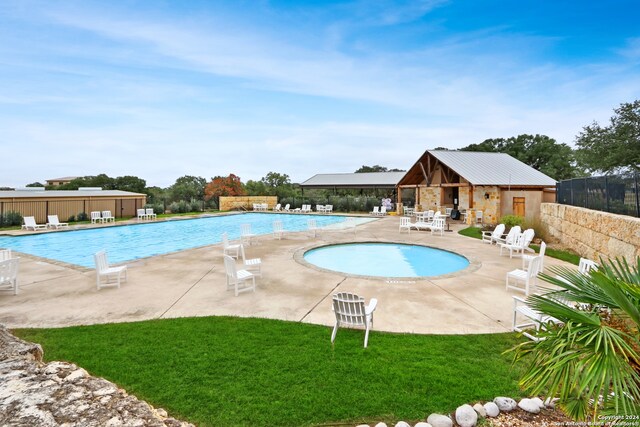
(518, 206)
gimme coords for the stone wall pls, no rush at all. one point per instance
(490, 207)
(228, 203)
(429, 198)
(33, 393)
(593, 234)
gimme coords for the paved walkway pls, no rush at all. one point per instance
(192, 283)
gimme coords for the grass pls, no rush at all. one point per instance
(226, 371)
(567, 256)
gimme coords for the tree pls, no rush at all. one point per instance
(256, 188)
(35, 184)
(278, 184)
(130, 183)
(615, 147)
(224, 186)
(102, 181)
(187, 188)
(540, 152)
(377, 168)
(591, 351)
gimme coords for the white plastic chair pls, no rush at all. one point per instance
(107, 217)
(492, 237)
(277, 207)
(405, 224)
(328, 209)
(253, 265)
(239, 280)
(104, 270)
(375, 211)
(447, 211)
(533, 319)
(520, 244)
(246, 234)
(287, 207)
(320, 208)
(527, 258)
(383, 210)
(479, 218)
(96, 217)
(30, 223)
(586, 265)
(228, 249)
(350, 311)
(438, 225)
(526, 278)
(54, 222)
(5, 254)
(9, 275)
(510, 238)
(278, 229)
(142, 214)
(150, 214)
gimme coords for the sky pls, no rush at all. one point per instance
(163, 89)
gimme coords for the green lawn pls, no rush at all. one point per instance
(225, 371)
(567, 256)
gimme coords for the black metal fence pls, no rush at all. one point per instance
(612, 193)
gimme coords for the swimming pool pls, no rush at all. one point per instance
(386, 260)
(129, 242)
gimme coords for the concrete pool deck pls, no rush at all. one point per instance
(192, 283)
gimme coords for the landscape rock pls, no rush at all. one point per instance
(538, 402)
(466, 416)
(438, 420)
(529, 406)
(33, 393)
(491, 409)
(550, 402)
(505, 404)
(480, 410)
(422, 424)
(381, 425)
(402, 424)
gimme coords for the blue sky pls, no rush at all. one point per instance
(161, 89)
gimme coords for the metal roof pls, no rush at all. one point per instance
(355, 180)
(66, 193)
(64, 178)
(482, 168)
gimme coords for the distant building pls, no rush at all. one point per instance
(386, 181)
(60, 181)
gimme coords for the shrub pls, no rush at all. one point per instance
(82, 216)
(195, 206)
(538, 226)
(512, 220)
(72, 218)
(10, 219)
(179, 207)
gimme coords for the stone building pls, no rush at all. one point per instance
(494, 183)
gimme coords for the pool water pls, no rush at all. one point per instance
(386, 260)
(129, 242)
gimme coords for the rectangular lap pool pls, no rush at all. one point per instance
(129, 242)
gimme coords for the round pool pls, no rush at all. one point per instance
(386, 260)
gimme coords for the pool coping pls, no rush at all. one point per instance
(474, 263)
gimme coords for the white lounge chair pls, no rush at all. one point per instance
(312, 226)
(142, 214)
(520, 244)
(30, 224)
(526, 259)
(96, 217)
(375, 211)
(320, 208)
(54, 222)
(407, 211)
(383, 210)
(287, 207)
(228, 249)
(107, 217)
(492, 237)
(9, 275)
(277, 208)
(510, 238)
(104, 270)
(239, 280)
(328, 209)
(533, 319)
(526, 278)
(150, 214)
(252, 265)
(246, 234)
(350, 311)
(306, 208)
(278, 229)
(5, 254)
(405, 224)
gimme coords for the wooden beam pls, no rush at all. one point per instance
(426, 177)
(470, 196)
(455, 184)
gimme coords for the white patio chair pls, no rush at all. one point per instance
(239, 280)
(328, 209)
(479, 217)
(375, 211)
(255, 206)
(278, 229)
(9, 275)
(533, 319)
(526, 278)
(96, 217)
(431, 214)
(252, 265)
(5, 254)
(246, 234)
(447, 211)
(107, 217)
(142, 214)
(30, 224)
(228, 249)
(150, 213)
(287, 207)
(277, 208)
(54, 222)
(320, 208)
(510, 237)
(104, 270)
(520, 244)
(383, 211)
(350, 311)
(438, 225)
(526, 259)
(492, 237)
(312, 226)
(586, 265)
(405, 224)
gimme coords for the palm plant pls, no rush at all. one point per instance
(589, 356)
